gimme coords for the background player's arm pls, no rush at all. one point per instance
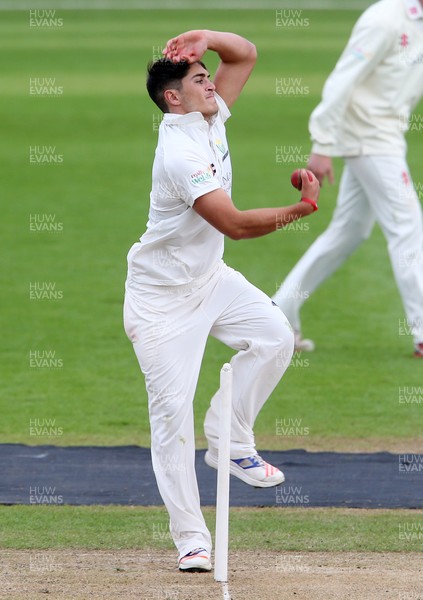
(368, 44)
(237, 55)
(321, 166)
(217, 208)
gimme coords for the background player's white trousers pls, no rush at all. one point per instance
(168, 327)
(372, 188)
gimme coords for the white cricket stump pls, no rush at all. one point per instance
(222, 494)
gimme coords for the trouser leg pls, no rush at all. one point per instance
(389, 188)
(169, 341)
(253, 325)
(351, 223)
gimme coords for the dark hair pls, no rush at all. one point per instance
(164, 74)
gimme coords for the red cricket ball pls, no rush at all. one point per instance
(296, 179)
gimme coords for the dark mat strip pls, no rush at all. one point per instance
(83, 475)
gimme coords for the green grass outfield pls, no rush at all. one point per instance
(344, 394)
(288, 529)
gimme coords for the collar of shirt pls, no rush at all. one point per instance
(414, 9)
(193, 118)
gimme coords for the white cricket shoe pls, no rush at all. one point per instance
(252, 470)
(196, 561)
(302, 345)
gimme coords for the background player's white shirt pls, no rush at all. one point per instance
(368, 98)
(192, 159)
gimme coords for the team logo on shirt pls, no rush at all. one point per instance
(408, 54)
(202, 175)
(404, 41)
(222, 148)
(220, 145)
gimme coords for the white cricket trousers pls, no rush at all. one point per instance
(169, 327)
(372, 188)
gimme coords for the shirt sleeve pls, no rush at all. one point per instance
(192, 175)
(370, 40)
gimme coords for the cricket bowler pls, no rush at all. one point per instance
(179, 290)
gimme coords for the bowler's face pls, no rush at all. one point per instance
(197, 92)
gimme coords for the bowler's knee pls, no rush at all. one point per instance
(280, 341)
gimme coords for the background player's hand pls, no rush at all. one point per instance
(310, 185)
(322, 167)
(189, 46)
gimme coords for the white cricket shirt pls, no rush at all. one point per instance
(192, 159)
(368, 99)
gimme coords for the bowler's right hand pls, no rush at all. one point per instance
(310, 185)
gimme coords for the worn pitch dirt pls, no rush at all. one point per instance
(83, 575)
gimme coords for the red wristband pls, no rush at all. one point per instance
(312, 202)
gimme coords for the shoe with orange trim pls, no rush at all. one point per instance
(252, 470)
(196, 561)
